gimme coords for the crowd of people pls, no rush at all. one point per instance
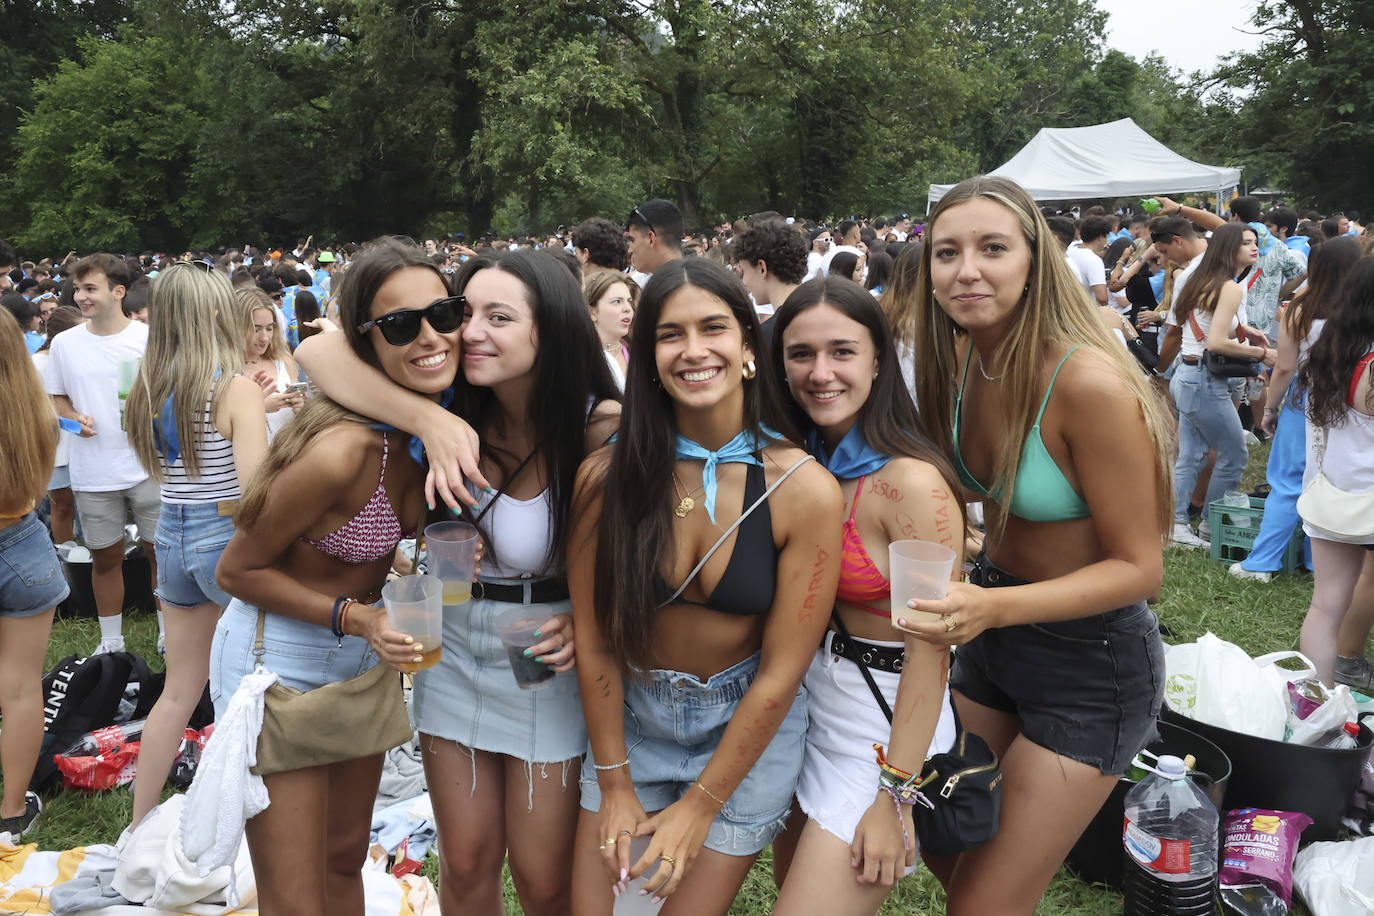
(689, 454)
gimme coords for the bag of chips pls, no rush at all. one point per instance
(1258, 847)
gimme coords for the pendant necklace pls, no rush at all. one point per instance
(686, 504)
(983, 372)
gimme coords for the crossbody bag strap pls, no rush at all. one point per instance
(259, 650)
(863, 669)
(728, 531)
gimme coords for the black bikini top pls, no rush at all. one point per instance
(746, 587)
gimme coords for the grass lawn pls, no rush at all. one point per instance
(1198, 596)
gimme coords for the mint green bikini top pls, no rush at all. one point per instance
(1042, 493)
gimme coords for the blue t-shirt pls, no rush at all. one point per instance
(34, 339)
(1157, 284)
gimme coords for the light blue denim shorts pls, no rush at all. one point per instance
(673, 724)
(300, 654)
(189, 541)
(31, 579)
(471, 696)
(61, 478)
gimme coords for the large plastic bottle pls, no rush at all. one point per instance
(1170, 839)
(106, 740)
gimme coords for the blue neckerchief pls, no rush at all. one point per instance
(1264, 237)
(165, 431)
(739, 449)
(417, 446)
(852, 458)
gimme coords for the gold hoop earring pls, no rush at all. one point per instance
(750, 370)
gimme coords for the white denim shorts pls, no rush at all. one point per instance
(839, 774)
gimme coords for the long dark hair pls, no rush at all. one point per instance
(843, 265)
(1346, 338)
(1218, 267)
(635, 534)
(1327, 270)
(570, 378)
(888, 419)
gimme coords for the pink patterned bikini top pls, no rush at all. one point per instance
(371, 534)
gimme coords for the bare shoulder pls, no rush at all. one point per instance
(912, 475)
(1090, 381)
(813, 493)
(602, 424)
(594, 468)
(339, 454)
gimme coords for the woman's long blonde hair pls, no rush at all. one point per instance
(194, 349)
(898, 301)
(1055, 314)
(246, 302)
(28, 437)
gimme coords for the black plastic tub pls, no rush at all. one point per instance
(138, 586)
(1318, 781)
(1097, 854)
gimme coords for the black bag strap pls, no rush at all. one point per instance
(863, 669)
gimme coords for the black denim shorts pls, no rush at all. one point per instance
(1089, 689)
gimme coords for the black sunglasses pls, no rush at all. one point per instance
(402, 326)
(636, 212)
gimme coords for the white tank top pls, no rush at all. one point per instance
(283, 415)
(1349, 459)
(519, 533)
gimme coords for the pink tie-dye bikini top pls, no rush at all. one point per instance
(371, 534)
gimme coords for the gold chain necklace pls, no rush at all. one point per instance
(686, 503)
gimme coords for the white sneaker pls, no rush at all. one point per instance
(162, 644)
(1183, 537)
(1204, 530)
(1251, 440)
(109, 645)
(1241, 572)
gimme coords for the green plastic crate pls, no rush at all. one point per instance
(1234, 530)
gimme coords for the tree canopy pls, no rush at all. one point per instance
(346, 118)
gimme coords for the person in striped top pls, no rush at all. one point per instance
(198, 426)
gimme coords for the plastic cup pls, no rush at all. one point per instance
(415, 607)
(516, 628)
(452, 550)
(629, 903)
(918, 569)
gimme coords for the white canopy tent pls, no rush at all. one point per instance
(1117, 159)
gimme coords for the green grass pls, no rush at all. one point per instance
(1198, 596)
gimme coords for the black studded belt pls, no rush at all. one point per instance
(867, 654)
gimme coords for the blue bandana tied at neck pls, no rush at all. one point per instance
(852, 458)
(165, 431)
(417, 446)
(740, 449)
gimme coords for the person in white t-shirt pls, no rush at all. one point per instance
(89, 374)
(1085, 258)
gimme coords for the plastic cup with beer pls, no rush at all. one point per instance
(452, 550)
(920, 570)
(415, 607)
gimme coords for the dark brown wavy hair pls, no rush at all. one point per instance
(1327, 270)
(1346, 338)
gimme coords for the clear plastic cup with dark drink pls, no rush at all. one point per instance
(517, 628)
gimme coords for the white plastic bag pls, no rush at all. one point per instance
(1324, 723)
(1337, 879)
(1216, 682)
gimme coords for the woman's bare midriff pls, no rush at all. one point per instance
(699, 641)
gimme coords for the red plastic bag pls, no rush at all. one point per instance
(103, 771)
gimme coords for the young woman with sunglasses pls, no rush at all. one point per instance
(316, 531)
(538, 391)
(849, 844)
(692, 691)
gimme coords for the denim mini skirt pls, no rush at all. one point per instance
(471, 696)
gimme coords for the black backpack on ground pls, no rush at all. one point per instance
(83, 694)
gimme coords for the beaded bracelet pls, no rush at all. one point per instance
(611, 766)
(896, 802)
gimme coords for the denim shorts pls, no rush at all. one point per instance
(31, 579)
(673, 724)
(1088, 689)
(61, 478)
(300, 654)
(189, 541)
